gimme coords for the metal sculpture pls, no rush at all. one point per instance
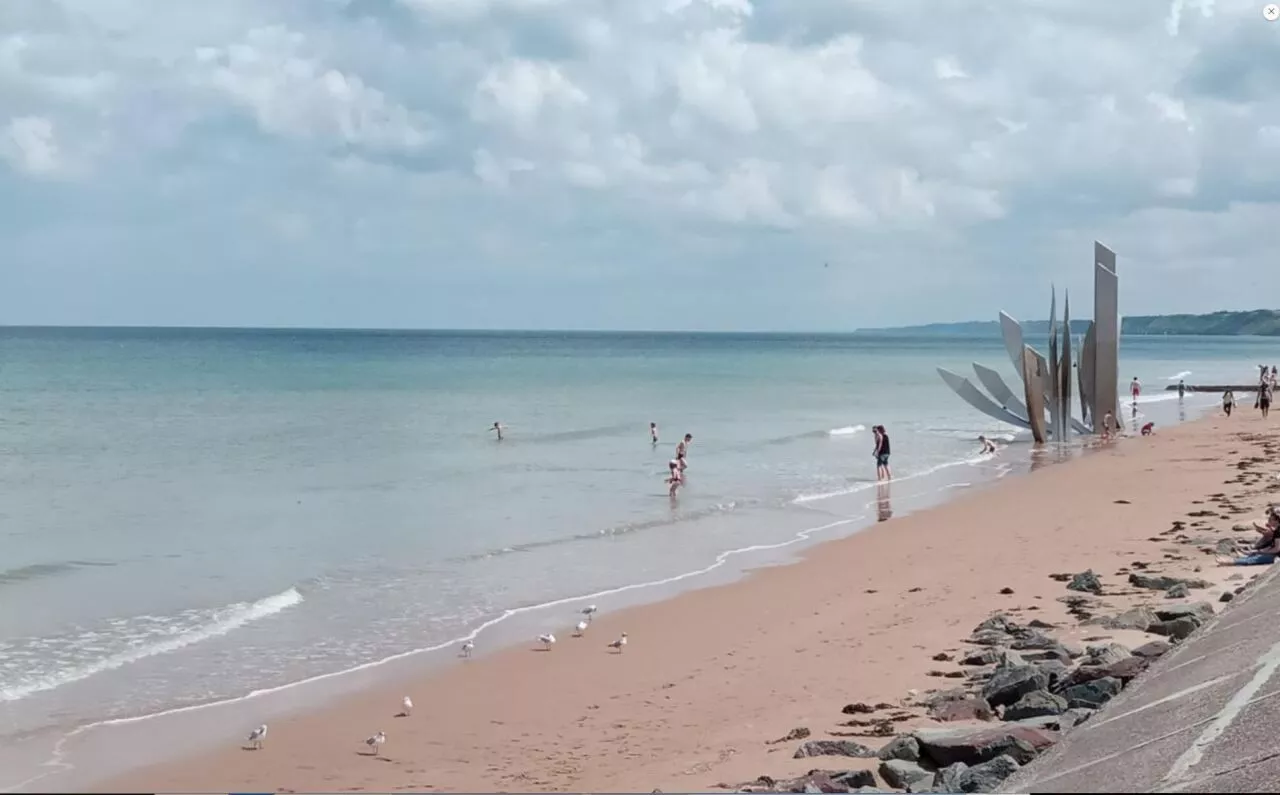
(1047, 382)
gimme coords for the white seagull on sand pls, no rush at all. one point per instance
(582, 627)
(547, 640)
(467, 648)
(589, 611)
(375, 742)
(619, 643)
(408, 706)
(257, 736)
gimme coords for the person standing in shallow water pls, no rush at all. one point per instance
(497, 428)
(653, 432)
(881, 453)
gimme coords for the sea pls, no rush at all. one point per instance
(194, 517)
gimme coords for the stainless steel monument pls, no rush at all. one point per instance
(1046, 383)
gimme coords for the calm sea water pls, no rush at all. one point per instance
(188, 516)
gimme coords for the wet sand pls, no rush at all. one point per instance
(708, 678)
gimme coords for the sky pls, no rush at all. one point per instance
(631, 164)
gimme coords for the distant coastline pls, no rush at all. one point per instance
(1253, 323)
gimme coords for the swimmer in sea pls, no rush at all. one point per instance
(682, 450)
(674, 477)
(497, 428)
(988, 446)
(653, 432)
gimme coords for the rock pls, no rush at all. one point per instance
(1008, 684)
(904, 747)
(990, 637)
(973, 746)
(1154, 649)
(855, 779)
(1138, 618)
(1074, 717)
(942, 656)
(988, 776)
(1226, 597)
(1036, 704)
(999, 622)
(901, 774)
(1006, 591)
(1106, 654)
(800, 733)
(1160, 582)
(1178, 629)
(1086, 582)
(834, 748)
(1225, 546)
(1124, 670)
(1202, 611)
(1056, 670)
(948, 778)
(1241, 528)
(858, 708)
(868, 790)
(962, 710)
(986, 656)
(1092, 694)
(1032, 639)
(1236, 576)
(1178, 591)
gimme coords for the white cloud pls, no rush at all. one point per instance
(30, 144)
(452, 144)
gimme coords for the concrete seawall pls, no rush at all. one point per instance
(1202, 719)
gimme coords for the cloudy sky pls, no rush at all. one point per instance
(681, 164)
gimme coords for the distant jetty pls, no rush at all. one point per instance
(1214, 387)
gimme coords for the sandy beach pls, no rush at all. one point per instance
(710, 677)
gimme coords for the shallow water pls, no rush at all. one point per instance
(189, 516)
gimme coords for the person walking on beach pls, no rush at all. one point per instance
(1182, 389)
(1109, 426)
(682, 451)
(1264, 399)
(497, 428)
(1228, 402)
(1135, 389)
(881, 453)
(653, 432)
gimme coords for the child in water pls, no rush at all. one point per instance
(675, 478)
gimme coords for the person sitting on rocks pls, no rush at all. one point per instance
(1263, 555)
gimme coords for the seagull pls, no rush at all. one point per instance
(619, 643)
(589, 611)
(547, 640)
(408, 706)
(375, 742)
(257, 736)
(582, 627)
(467, 648)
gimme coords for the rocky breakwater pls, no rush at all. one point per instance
(1019, 688)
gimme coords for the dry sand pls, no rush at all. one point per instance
(712, 675)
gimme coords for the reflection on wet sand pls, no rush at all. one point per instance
(884, 509)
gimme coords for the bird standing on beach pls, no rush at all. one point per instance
(257, 736)
(589, 611)
(467, 648)
(582, 628)
(547, 641)
(619, 643)
(408, 706)
(375, 742)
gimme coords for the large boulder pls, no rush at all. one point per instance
(1202, 611)
(1138, 618)
(904, 747)
(975, 745)
(834, 748)
(1178, 628)
(948, 778)
(962, 709)
(1106, 654)
(1161, 582)
(1085, 582)
(1125, 670)
(1036, 704)
(1011, 683)
(1092, 694)
(987, 776)
(901, 774)
(1154, 649)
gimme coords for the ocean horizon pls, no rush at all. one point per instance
(202, 514)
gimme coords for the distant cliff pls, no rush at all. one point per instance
(1257, 322)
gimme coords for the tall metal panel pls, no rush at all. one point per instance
(1106, 319)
